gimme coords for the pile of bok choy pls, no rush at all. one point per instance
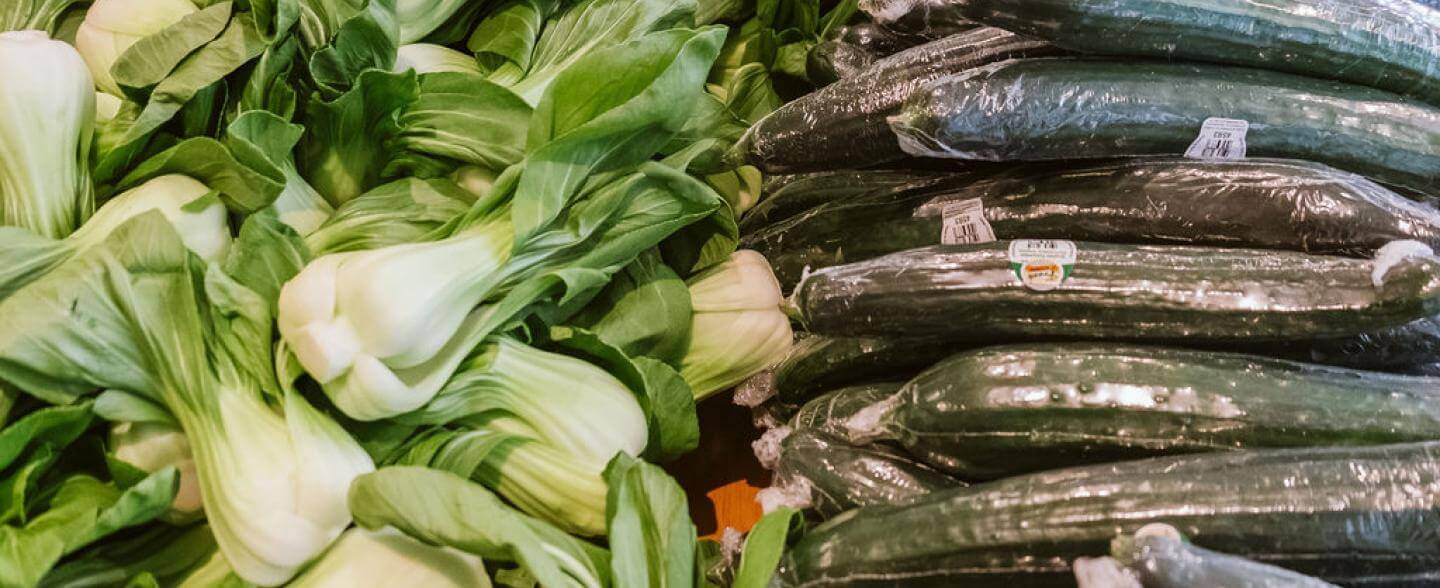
(374, 292)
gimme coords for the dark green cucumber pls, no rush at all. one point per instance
(842, 126)
(1388, 44)
(830, 476)
(1048, 109)
(789, 195)
(1259, 203)
(1009, 410)
(1355, 516)
(831, 61)
(817, 363)
(1406, 348)
(1133, 292)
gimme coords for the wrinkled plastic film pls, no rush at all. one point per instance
(1409, 348)
(915, 17)
(1256, 203)
(831, 412)
(1388, 44)
(838, 476)
(1349, 516)
(1124, 292)
(1062, 108)
(843, 125)
(1170, 562)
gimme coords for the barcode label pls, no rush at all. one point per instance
(964, 223)
(1220, 138)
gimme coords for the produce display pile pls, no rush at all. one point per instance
(374, 292)
(1117, 294)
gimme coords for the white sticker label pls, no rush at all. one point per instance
(1042, 264)
(1220, 138)
(964, 223)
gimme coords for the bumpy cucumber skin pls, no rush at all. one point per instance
(1124, 292)
(1009, 410)
(789, 195)
(843, 125)
(1388, 44)
(1257, 203)
(1355, 516)
(1060, 108)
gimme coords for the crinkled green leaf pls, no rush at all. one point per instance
(403, 211)
(153, 57)
(242, 188)
(644, 311)
(504, 42)
(614, 109)
(652, 541)
(21, 15)
(442, 508)
(55, 426)
(346, 143)
(160, 552)
(463, 118)
(367, 40)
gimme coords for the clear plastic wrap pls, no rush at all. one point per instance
(1111, 291)
(1354, 516)
(1258, 203)
(829, 412)
(1162, 558)
(1408, 348)
(1064, 108)
(855, 47)
(829, 476)
(843, 125)
(1388, 44)
(1007, 410)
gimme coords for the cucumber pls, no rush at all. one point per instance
(829, 412)
(818, 363)
(1264, 204)
(1355, 516)
(831, 61)
(1132, 292)
(1408, 348)
(1059, 108)
(833, 476)
(789, 195)
(1009, 410)
(1389, 44)
(855, 47)
(842, 126)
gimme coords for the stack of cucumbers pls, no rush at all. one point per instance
(1072, 271)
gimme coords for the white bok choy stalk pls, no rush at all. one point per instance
(47, 118)
(386, 557)
(427, 58)
(739, 326)
(194, 211)
(370, 325)
(112, 26)
(142, 315)
(537, 427)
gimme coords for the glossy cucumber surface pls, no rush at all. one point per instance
(1060, 108)
(1353, 516)
(1257, 203)
(1127, 292)
(1008, 410)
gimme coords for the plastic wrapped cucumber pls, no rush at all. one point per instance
(1008, 410)
(1388, 44)
(1082, 290)
(818, 363)
(1258, 203)
(1061, 108)
(842, 126)
(1162, 558)
(789, 195)
(1353, 516)
(855, 47)
(829, 476)
(1407, 348)
(829, 412)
